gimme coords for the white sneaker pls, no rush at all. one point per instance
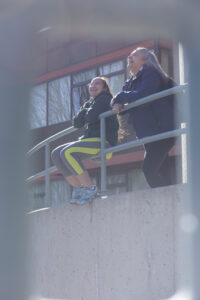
(76, 194)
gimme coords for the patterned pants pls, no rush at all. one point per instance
(68, 157)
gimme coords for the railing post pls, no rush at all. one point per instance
(103, 156)
(47, 176)
(184, 155)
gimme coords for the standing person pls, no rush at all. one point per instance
(152, 118)
(68, 157)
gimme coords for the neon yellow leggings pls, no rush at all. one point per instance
(68, 157)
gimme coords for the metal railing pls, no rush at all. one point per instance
(104, 150)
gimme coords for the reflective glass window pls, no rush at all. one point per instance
(111, 68)
(117, 183)
(79, 96)
(164, 59)
(59, 109)
(83, 76)
(116, 83)
(38, 106)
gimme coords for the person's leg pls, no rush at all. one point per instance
(70, 178)
(165, 171)
(73, 180)
(73, 154)
(68, 159)
(156, 166)
(85, 179)
(55, 156)
(72, 157)
(150, 168)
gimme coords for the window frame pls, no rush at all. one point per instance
(46, 103)
(86, 82)
(123, 58)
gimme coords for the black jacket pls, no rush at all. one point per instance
(154, 117)
(89, 115)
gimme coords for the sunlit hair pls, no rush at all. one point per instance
(105, 83)
(151, 60)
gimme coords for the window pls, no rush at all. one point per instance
(59, 104)
(83, 76)
(38, 106)
(59, 100)
(116, 81)
(164, 59)
(117, 183)
(80, 91)
(79, 95)
(111, 68)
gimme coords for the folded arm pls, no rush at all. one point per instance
(79, 119)
(98, 107)
(151, 83)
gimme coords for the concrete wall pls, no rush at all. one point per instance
(118, 248)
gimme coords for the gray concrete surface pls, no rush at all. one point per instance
(119, 248)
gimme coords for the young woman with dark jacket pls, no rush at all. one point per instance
(152, 118)
(68, 157)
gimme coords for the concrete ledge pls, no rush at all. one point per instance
(120, 248)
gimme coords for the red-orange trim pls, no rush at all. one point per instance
(116, 160)
(126, 158)
(92, 62)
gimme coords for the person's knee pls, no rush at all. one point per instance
(64, 154)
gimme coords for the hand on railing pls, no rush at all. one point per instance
(117, 108)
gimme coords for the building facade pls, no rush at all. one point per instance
(63, 71)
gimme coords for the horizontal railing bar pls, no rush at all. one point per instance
(51, 139)
(146, 140)
(40, 174)
(117, 148)
(144, 100)
(156, 96)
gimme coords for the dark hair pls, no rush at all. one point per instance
(105, 83)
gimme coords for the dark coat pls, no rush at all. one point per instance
(89, 115)
(151, 118)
